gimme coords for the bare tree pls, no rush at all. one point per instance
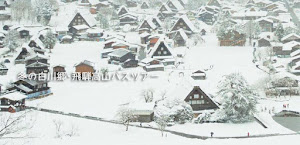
(58, 128)
(12, 124)
(73, 131)
(125, 116)
(162, 122)
(148, 95)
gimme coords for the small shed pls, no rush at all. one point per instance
(199, 75)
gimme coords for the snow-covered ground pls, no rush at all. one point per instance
(94, 133)
(103, 98)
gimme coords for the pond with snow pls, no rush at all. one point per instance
(292, 123)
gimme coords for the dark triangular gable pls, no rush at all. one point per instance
(144, 5)
(163, 8)
(145, 25)
(122, 11)
(178, 25)
(161, 48)
(155, 22)
(198, 90)
(171, 5)
(77, 17)
(178, 36)
(22, 54)
(214, 3)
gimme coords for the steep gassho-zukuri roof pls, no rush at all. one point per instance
(157, 44)
(187, 21)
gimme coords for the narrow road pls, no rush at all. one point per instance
(148, 127)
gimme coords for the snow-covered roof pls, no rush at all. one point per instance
(61, 29)
(290, 35)
(149, 22)
(95, 30)
(284, 74)
(24, 88)
(15, 96)
(81, 27)
(145, 34)
(295, 53)
(122, 7)
(89, 18)
(86, 62)
(157, 44)
(249, 13)
(264, 19)
(37, 64)
(37, 56)
(94, 2)
(182, 34)
(168, 9)
(176, 4)
(119, 52)
(37, 40)
(290, 45)
(187, 21)
(128, 14)
(66, 37)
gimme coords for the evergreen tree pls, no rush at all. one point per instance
(43, 10)
(103, 20)
(11, 40)
(238, 100)
(50, 40)
(279, 31)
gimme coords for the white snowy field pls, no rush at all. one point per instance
(103, 98)
(95, 133)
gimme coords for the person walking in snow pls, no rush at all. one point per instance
(211, 134)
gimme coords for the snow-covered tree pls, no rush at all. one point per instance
(22, 10)
(251, 29)
(290, 30)
(205, 116)
(125, 116)
(103, 21)
(287, 82)
(181, 112)
(50, 40)
(195, 4)
(162, 122)
(238, 99)
(177, 110)
(148, 95)
(11, 40)
(119, 2)
(279, 33)
(223, 27)
(44, 11)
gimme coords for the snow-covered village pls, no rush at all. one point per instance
(132, 72)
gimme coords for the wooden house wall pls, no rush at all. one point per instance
(84, 68)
